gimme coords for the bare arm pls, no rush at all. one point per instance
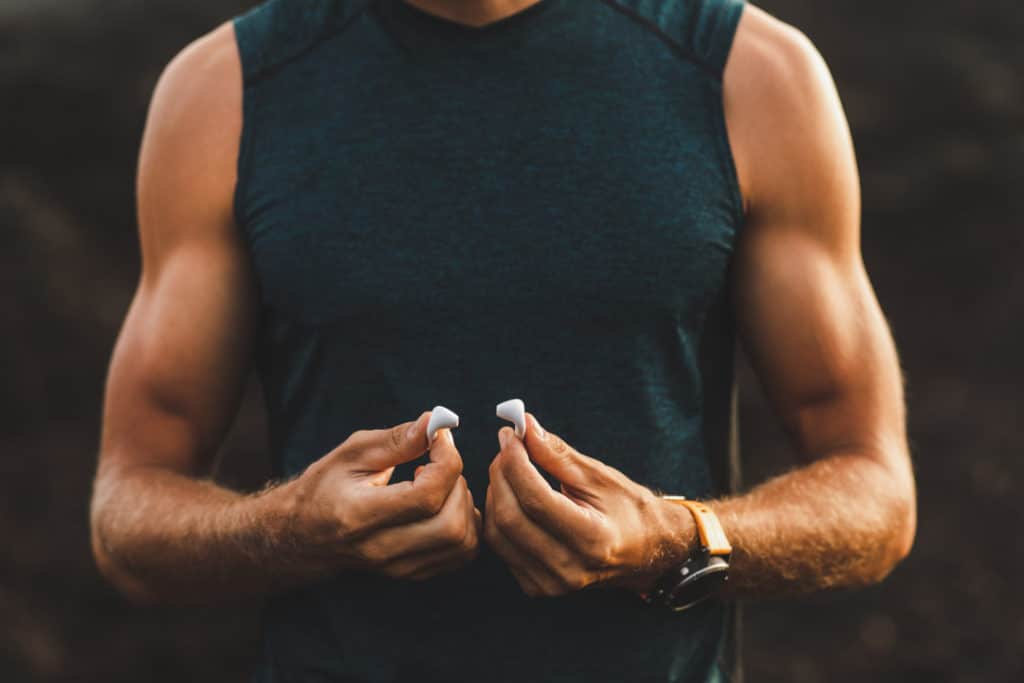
(811, 324)
(160, 530)
(814, 332)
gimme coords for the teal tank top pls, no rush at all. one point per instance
(544, 208)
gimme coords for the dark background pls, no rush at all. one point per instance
(935, 95)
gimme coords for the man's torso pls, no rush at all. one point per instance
(547, 209)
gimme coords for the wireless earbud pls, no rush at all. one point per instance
(440, 418)
(513, 410)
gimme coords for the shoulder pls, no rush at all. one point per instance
(784, 116)
(277, 31)
(701, 30)
(201, 86)
(189, 152)
(775, 65)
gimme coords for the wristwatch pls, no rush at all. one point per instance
(704, 573)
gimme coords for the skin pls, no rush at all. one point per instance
(812, 327)
(161, 532)
(806, 313)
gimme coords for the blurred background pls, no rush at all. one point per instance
(935, 96)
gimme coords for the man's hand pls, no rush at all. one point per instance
(601, 529)
(412, 529)
(162, 532)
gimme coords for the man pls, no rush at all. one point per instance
(388, 205)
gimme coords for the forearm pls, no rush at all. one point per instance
(164, 537)
(843, 520)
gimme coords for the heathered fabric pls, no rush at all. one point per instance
(543, 208)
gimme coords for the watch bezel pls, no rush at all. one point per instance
(714, 567)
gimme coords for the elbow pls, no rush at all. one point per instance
(126, 584)
(105, 553)
(906, 530)
(897, 539)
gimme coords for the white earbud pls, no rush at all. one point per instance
(440, 418)
(513, 410)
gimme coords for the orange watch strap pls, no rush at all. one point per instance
(712, 536)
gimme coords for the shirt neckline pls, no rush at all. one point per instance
(420, 20)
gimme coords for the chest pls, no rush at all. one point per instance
(513, 193)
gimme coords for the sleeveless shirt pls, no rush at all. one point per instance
(544, 207)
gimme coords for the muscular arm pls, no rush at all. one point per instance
(817, 339)
(161, 531)
(813, 329)
(181, 359)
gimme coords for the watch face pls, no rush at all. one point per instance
(702, 583)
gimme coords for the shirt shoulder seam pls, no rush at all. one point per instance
(677, 46)
(331, 29)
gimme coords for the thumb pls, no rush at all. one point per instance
(385, 448)
(555, 456)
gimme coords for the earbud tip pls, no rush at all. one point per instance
(440, 418)
(513, 410)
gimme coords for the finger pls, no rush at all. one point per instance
(428, 564)
(427, 534)
(467, 551)
(433, 560)
(515, 521)
(445, 464)
(430, 570)
(424, 495)
(506, 550)
(556, 457)
(518, 565)
(381, 449)
(548, 508)
(522, 543)
(531, 577)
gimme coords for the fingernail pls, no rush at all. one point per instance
(503, 438)
(451, 437)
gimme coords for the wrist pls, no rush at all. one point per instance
(679, 538)
(294, 545)
(704, 571)
(673, 540)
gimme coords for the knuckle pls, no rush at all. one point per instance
(530, 503)
(370, 553)
(454, 530)
(471, 539)
(529, 588)
(491, 535)
(429, 503)
(358, 436)
(495, 466)
(467, 554)
(592, 541)
(345, 523)
(575, 581)
(397, 437)
(504, 518)
(600, 556)
(552, 590)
